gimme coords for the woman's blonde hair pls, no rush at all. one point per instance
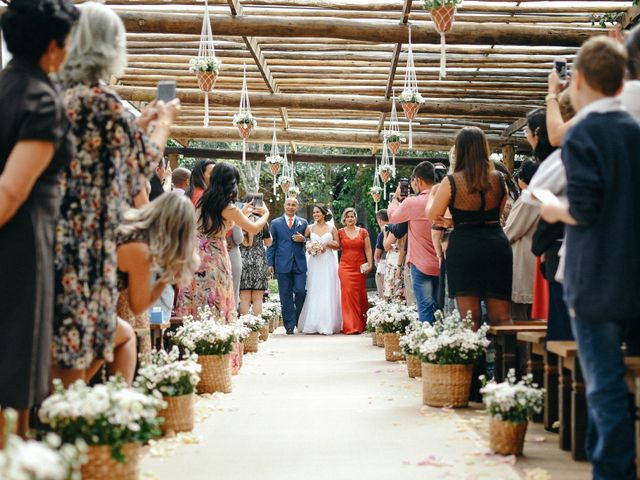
(170, 223)
(346, 211)
(98, 46)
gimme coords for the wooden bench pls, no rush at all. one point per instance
(534, 361)
(572, 404)
(506, 345)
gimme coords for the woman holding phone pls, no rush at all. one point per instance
(254, 278)
(217, 212)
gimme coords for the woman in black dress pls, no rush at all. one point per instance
(479, 258)
(34, 146)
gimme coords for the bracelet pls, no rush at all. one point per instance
(551, 96)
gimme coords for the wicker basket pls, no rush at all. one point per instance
(414, 366)
(102, 466)
(251, 343)
(373, 338)
(506, 438)
(379, 338)
(234, 359)
(264, 333)
(216, 373)
(241, 358)
(272, 324)
(178, 416)
(446, 385)
(392, 351)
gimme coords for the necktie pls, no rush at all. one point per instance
(290, 222)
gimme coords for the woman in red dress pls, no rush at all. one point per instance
(356, 255)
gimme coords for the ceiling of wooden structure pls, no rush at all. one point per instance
(325, 69)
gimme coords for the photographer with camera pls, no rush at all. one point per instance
(421, 255)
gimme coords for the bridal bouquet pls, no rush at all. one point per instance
(169, 374)
(314, 248)
(110, 414)
(46, 460)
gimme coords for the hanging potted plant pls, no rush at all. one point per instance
(253, 323)
(442, 13)
(395, 141)
(206, 70)
(112, 419)
(448, 353)
(274, 162)
(244, 122)
(376, 193)
(410, 343)
(48, 459)
(394, 322)
(285, 182)
(410, 99)
(511, 405)
(386, 172)
(294, 191)
(213, 342)
(176, 379)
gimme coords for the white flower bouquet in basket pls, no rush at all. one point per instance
(285, 182)
(414, 335)
(448, 352)
(410, 95)
(293, 191)
(395, 137)
(510, 404)
(176, 379)
(48, 459)
(113, 419)
(253, 323)
(205, 64)
(393, 323)
(386, 172)
(244, 118)
(375, 314)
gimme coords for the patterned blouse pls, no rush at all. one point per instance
(113, 153)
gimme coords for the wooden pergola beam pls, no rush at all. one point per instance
(379, 31)
(330, 102)
(514, 127)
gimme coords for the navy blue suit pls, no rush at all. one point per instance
(290, 265)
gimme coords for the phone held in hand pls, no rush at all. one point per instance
(404, 187)
(166, 90)
(560, 64)
(258, 200)
(240, 205)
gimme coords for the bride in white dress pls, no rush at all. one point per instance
(322, 311)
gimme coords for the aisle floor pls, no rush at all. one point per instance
(330, 408)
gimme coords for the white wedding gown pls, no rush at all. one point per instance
(322, 311)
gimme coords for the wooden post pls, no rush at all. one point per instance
(173, 160)
(508, 157)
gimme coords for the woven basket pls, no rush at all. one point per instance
(506, 438)
(241, 358)
(414, 366)
(376, 197)
(272, 324)
(385, 176)
(264, 333)
(373, 338)
(274, 168)
(446, 385)
(392, 352)
(394, 147)
(244, 129)
(251, 343)
(178, 416)
(206, 80)
(234, 359)
(216, 373)
(410, 109)
(379, 338)
(443, 17)
(102, 466)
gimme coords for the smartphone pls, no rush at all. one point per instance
(240, 205)
(166, 90)
(258, 200)
(560, 64)
(404, 187)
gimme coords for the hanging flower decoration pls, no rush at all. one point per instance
(274, 161)
(442, 13)
(293, 191)
(386, 171)
(206, 65)
(410, 98)
(244, 120)
(376, 193)
(394, 138)
(285, 182)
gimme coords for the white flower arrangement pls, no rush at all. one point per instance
(108, 414)
(204, 337)
(387, 168)
(205, 64)
(376, 314)
(433, 4)
(415, 334)
(252, 322)
(241, 332)
(45, 460)
(169, 374)
(393, 137)
(285, 180)
(274, 159)
(409, 95)
(396, 318)
(375, 190)
(294, 190)
(452, 341)
(244, 118)
(512, 401)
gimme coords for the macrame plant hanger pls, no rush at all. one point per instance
(410, 83)
(375, 191)
(442, 17)
(385, 170)
(285, 178)
(394, 131)
(245, 112)
(206, 80)
(274, 168)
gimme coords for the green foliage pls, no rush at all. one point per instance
(433, 4)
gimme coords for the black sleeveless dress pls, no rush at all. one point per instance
(479, 258)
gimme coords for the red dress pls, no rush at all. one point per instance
(353, 283)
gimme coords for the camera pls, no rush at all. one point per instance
(404, 187)
(560, 64)
(387, 228)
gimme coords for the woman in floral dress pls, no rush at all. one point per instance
(212, 284)
(113, 155)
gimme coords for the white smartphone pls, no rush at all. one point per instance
(166, 90)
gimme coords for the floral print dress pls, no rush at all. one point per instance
(113, 154)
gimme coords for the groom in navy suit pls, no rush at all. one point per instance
(286, 258)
